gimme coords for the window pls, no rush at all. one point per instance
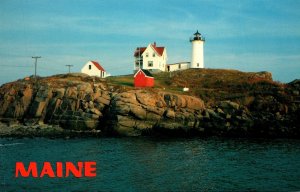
(179, 66)
(197, 64)
(150, 63)
(90, 67)
(153, 54)
(147, 54)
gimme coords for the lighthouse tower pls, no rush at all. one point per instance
(197, 51)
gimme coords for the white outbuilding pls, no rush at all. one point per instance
(93, 68)
(178, 66)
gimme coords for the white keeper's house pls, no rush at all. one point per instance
(93, 68)
(151, 58)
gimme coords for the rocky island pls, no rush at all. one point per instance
(220, 103)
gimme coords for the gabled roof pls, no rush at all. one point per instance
(140, 50)
(146, 72)
(98, 65)
(159, 50)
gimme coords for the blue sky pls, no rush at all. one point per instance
(247, 35)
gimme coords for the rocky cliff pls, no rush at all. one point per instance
(138, 112)
(76, 104)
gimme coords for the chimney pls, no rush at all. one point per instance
(154, 44)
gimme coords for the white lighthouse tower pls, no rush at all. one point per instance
(197, 51)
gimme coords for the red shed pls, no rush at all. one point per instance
(143, 78)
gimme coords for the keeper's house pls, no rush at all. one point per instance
(152, 58)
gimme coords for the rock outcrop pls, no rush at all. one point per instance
(138, 112)
(76, 104)
(87, 105)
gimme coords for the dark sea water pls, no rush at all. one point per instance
(148, 164)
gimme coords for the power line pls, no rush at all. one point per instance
(35, 63)
(14, 66)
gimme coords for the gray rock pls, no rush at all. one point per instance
(59, 92)
(96, 111)
(153, 116)
(37, 108)
(102, 100)
(138, 112)
(170, 114)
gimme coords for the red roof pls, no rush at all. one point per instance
(140, 50)
(146, 73)
(159, 50)
(98, 65)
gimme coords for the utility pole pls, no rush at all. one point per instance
(69, 67)
(35, 64)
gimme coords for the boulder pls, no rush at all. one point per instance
(59, 92)
(105, 95)
(156, 110)
(170, 114)
(100, 86)
(194, 103)
(43, 93)
(229, 104)
(153, 116)
(96, 111)
(145, 109)
(85, 87)
(37, 108)
(138, 111)
(146, 98)
(126, 121)
(71, 92)
(122, 109)
(212, 114)
(102, 100)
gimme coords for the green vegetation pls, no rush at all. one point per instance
(124, 80)
(212, 85)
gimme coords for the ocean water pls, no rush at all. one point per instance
(151, 164)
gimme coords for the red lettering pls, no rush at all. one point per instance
(70, 167)
(90, 169)
(59, 169)
(47, 170)
(32, 169)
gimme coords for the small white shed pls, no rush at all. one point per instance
(178, 66)
(93, 68)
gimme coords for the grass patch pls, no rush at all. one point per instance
(210, 84)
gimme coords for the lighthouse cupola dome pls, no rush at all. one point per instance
(198, 36)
